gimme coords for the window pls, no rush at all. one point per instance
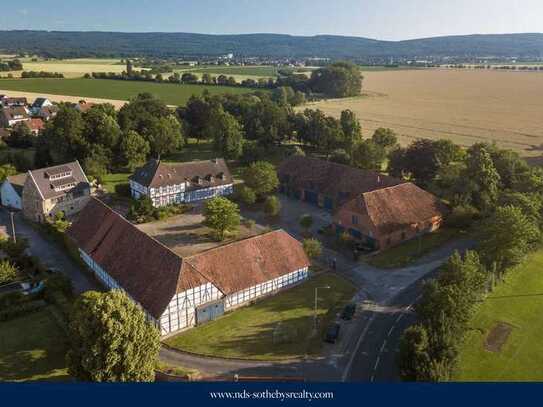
(403, 235)
(355, 220)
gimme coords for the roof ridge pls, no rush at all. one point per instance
(389, 187)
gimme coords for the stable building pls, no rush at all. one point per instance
(175, 183)
(327, 184)
(177, 293)
(389, 216)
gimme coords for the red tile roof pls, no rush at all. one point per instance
(338, 181)
(36, 124)
(152, 274)
(394, 208)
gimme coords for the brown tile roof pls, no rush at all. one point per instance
(148, 271)
(156, 174)
(47, 186)
(18, 182)
(338, 181)
(249, 262)
(4, 133)
(36, 124)
(394, 208)
(10, 113)
(152, 274)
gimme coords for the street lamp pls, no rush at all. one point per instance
(316, 299)
(13, 227)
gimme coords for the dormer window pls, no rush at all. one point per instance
(58, 173)
(198, 180)
(210, 178)
(222, 176)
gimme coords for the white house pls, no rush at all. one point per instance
(11, 191)
(176, 292)
(40, 104)
(185, 182)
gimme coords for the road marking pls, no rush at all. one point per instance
(382, 347)
(390, 330)
(355, 351)
(377, 363)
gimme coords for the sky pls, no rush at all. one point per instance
(380, 19)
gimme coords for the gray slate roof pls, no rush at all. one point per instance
(47, 186)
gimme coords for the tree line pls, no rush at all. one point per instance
(500, 194)
(11, 65)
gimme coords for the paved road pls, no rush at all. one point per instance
(49, 253)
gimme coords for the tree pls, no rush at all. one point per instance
(245, 194)
(413, 357)
(272, 206)
(164, 135)
(482, 178)
(221, 215)
(189, 77)
(141, 210)
(227, 134)
(338, 80)
(21, 136)
(312, 247)
(506, 237)
(386, 138)
(141, 112)
(8, 272)
(97, 161)
(111, 340)
(352, 132)
(261, 177)
(101, 128)
(134, 150)
(6, 170)
(306, 221)
(369, 156)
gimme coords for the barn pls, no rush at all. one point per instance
(178, 293)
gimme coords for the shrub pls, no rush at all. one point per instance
(462, 217)
(272, 206)
(306, 221)
(312, 248)
(246, 195)
(8, 272)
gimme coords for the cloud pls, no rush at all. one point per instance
(23, 11)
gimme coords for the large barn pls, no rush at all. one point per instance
(178, 293)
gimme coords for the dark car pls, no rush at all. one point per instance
(348, 312)
(332, 333)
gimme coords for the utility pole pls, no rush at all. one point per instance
(13, 227)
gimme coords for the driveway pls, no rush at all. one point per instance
(50, 254)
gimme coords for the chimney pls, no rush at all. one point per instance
(378, 179)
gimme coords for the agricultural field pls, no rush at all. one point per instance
(504, 342)
(262, 71)
(71, 68)
(112, 89)
(466, 106)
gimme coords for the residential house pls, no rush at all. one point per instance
(10, 116)
(84, 106)
(388, 216)
(4, 133)
(327, 184)
(39, 104)
(185, 182)
(7, 101)
(62, 188)
(47, 113)
(36, 125)
(11, 191)
(176, 292)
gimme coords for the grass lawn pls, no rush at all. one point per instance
(110, 181)
(115, 89)
(410, 251)
(249, 332)
(32, 347)
(519, 303)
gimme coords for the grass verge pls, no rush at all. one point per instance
(518, 302)
(407, 253)
(32, 348)
(274, 328)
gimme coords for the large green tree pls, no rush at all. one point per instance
(261, 177)
(221, 215)
(134, 149)
(338, 80)
(164, 135)
(352, 131)
(227, 134)
(482, 178)
(111, 340)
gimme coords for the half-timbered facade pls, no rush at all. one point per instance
(168, 184)
(178, 293)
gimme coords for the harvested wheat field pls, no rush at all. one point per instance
(466, 106)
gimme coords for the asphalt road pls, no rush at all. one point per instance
(49, 253)
(375, 358)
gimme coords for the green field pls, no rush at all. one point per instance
(114, 89)
(32, 347)
(264, 71)
(518, 303)
(253, 332)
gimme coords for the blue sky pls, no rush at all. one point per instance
(382, 19)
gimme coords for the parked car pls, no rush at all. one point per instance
(348, 312)
(332, 333)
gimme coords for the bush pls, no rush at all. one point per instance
(245, 195)
(306, 221)
(272, 206)
(8, 272)
(123, 190)
(312, 248)
(462, 217)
